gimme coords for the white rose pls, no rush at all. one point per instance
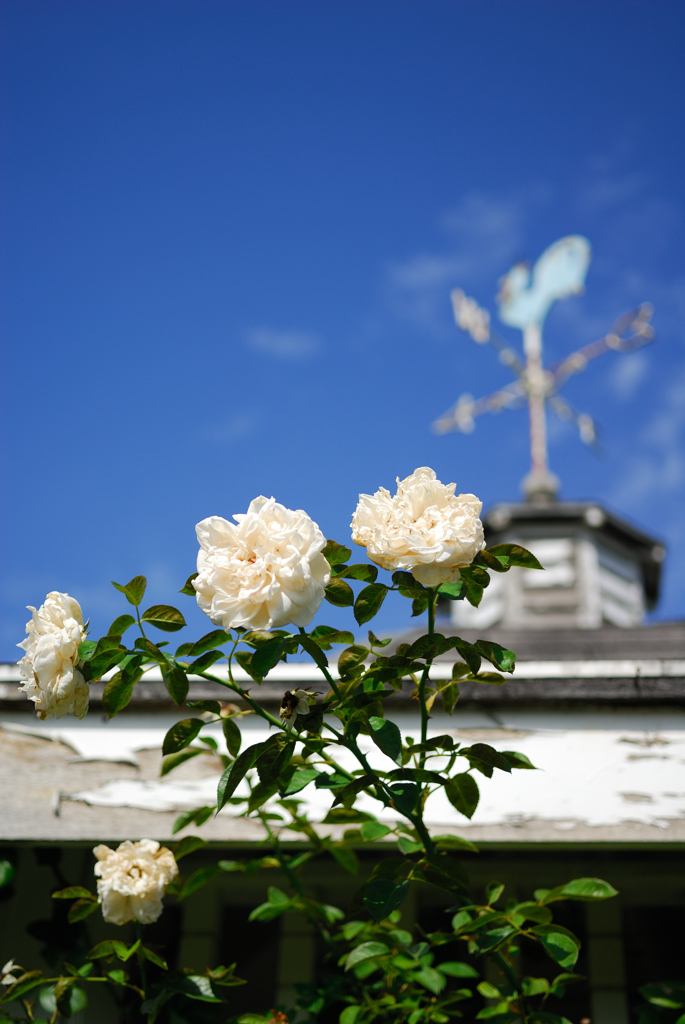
(132, 880)
(263, 573)
(50, 665)
(425, 528)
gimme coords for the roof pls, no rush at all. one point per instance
(530, 518)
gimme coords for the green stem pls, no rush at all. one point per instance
(425, 675)
(280, 856)
(257, 708)
(140, 623)
(141, 960)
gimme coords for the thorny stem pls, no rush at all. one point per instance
(257, 708)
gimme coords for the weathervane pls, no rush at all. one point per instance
(524, 300)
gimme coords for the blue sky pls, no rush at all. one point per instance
(230, 231)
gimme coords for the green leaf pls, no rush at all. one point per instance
(197, 880)
(119, 689)
(336, 554)
(244, 659)
(387, 737)
(382, 896)
(458, 970)
(188, 587)
(560, 943)
(81, 909)
(217, 638)
(349, 1015)
(490, 561)
(212, 706)
(500, 657)
(301, 778)
(517, 760)
(236, 772)
(313, 650)
(86, 650)
(431, 979)
(174, 760)
(366, 951)
(489, 991)
(669, 994)
(164, 617)
(375, 642)
(419, 605)
(450, 697)
(372, 830)
(462, 793)
(453, 591)
(469, 653)
(589, 889)
(176, 682)
(346, 857)
(369, 601)
(407, 585)
(198, 816)
(6, 873)
(494, 891)
(204, 662)
(328, 635)
(339, 593)
(152, 651)
(153, 958)
(133, 591)
(232, 735)
(350, 658)
(345, 816)
(483, 754)
(120, 625)
(405, 796)
(361, 571)
(73, 892)
(181, 735)
(514, 554)
(408, 846)
(267, 655)
(455, 843)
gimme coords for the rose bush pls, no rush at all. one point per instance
(272, 568)
(50, 665)
(132, 880)
(425, 528)
(265, 572)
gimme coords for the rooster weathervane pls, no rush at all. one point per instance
(524, 300)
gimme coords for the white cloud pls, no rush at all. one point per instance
(484, 235)
(627, 373)
(284, 344)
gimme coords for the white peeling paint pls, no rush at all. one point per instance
(603, 768)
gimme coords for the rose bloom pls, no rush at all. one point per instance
(50, 665)
(132, 880)
(425, 528)
(263, 573)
